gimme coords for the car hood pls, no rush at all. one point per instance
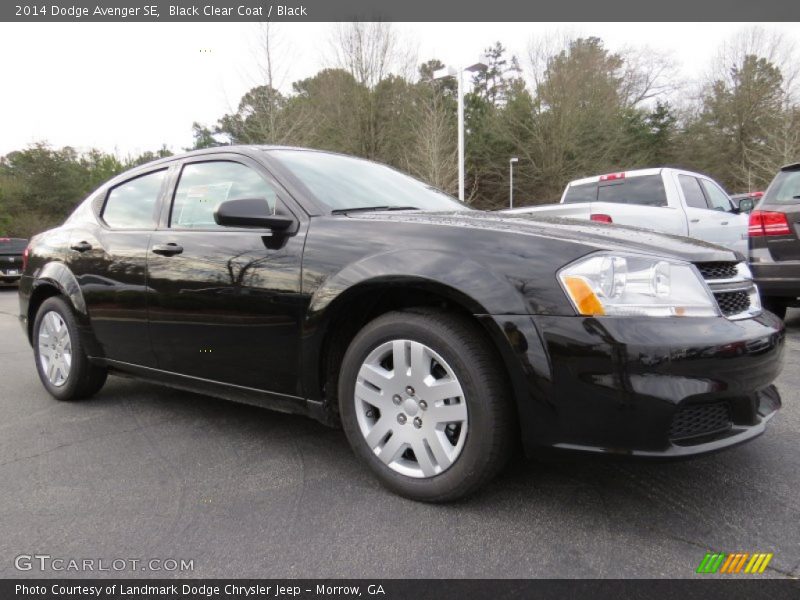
(596, 236)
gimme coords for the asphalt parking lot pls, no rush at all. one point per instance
(145, 472)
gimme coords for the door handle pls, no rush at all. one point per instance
(167, 249)
(83, 246)
(694, 221)
(723, 223)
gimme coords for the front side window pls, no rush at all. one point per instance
(343, 182)
(718, 199)
(692, 191)
(131, 205)
(202, 186)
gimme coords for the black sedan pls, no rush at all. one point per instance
(436, 335)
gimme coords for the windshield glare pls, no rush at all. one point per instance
(343, 182)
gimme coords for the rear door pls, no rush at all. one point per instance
(226, 303)
(783, 198)
(107, 256)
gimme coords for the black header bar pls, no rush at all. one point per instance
(700, 588)
(399, 10)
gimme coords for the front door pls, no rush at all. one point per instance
(709, 216)
(226, 303)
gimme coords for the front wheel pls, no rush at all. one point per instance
(424, 403)
(62, 364)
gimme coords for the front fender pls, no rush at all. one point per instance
(482, 290)
(461, 280)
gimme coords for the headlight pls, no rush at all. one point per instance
(631, 285)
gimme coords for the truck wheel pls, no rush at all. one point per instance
(775, 305)
(424, 403)
(62, 364)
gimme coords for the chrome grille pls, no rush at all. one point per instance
(717, 270)
(732, 288)
(733, 303)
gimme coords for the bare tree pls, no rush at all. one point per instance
(748, 108)
(258, 117)
(370, 52)
(433, 154)
(647, 75)
(769, 44)
(779, 146)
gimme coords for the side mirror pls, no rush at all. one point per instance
(746, 205)
(250, 212)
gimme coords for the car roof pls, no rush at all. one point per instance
(251, 150)
(635, 173)
(247, 149)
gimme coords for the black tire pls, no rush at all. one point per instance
(775, 305)
(491, 433)
(84, 378)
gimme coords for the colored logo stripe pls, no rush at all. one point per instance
(733, 563)
(711, 563)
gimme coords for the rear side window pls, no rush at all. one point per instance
(692, 191)
(585, 192)
(203, 186)
(131, 205)
(645, 190)
(784, 189)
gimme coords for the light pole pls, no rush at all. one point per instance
(480, 65)
(511, 162)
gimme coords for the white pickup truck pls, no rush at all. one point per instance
(666, 200)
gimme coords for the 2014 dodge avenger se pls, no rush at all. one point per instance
(436, 335)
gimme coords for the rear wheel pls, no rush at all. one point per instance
(62, 364)
(424, 404)
(776, 305)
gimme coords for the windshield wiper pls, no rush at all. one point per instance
(339, 211)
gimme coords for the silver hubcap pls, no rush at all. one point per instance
(55, 349)
(410, 408)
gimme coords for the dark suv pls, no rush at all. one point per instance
(775, 243)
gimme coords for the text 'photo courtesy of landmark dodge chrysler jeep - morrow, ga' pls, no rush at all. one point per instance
(436, 335)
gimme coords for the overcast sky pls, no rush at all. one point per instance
(130, 87)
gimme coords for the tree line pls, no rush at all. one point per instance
(570, 108)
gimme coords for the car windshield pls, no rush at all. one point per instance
(346, 183)
(785, 189)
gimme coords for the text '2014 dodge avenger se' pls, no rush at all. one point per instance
(436, 335)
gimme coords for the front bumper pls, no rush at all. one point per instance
(643, 386)
(10, 275)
